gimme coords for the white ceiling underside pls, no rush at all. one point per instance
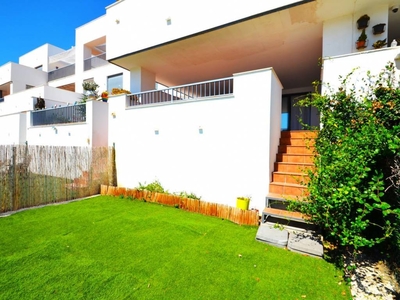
(290, 41)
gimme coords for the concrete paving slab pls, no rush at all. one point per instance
(306, 243)
(273, 236)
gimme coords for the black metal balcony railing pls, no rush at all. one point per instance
(60, 115)
(198, 90)
(95, 62)
(61, 73)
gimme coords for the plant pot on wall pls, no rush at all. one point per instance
(379, 28)
(363, 21)
(379, 44)
(362, 41)
(361, 44)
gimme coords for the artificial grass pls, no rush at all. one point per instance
(111, 248)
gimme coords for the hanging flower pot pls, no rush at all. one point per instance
(363, 21)
(379, 44)
(362, 41)
(361, 44)
(379, 28)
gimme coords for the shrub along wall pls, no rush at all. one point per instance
(236, 215)
(354, 197)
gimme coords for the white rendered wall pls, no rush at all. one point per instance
(13, 129)
(340, 34)
(25, 100)
(97, 112)
(40, 56)
(231, 157)
(92, 133)
(92, 31)
(136, 25)
(373, 61)
(20, 76)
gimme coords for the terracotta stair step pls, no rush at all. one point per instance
(295, 149)
(282, 197)
(292, 167)
(297, 142)
(295, 158)
(288, 177)
(284, 214)
(308, 134)
(287, 189)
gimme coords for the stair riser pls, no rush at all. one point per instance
(281, 157)
(296, 142)
(291, 168)
(287, 190)
(299, 134)
(295, 149)
(289, 178)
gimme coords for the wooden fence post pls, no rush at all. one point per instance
(14, 179)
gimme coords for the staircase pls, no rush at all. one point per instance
(294, 158)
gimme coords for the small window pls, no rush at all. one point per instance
(39, 67)
(27, 87)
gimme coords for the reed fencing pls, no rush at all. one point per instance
(236, 215)
(37, 175)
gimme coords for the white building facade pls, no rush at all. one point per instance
(227, 75)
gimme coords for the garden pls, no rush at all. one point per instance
(109, 247)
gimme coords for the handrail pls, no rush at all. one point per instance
(60, 115)
(192, 91)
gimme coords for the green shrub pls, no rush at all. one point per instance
(154, 186)
(189, 195)
(351, 196)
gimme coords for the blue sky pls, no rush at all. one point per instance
(28, 24)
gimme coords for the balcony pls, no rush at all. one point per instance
(60, 115)
(95, 62)
(194, 91)
(61, 73)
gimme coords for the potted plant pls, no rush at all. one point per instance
(363, 21)
(362, 40)
(378, 28)
(89, 91)
(104, 96)
(379, 44)
(243, 202)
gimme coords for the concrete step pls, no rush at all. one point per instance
(273, 236)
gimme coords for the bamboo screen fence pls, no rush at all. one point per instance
(236, 215)
(36, 175)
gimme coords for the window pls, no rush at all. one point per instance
(39, 67)
(114, 81)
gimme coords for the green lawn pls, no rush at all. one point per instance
(112, 248)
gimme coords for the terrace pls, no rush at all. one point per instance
(193, 91)
(59, 115)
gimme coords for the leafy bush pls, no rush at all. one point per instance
(351, 195)
(154, 186)
(189, 196)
